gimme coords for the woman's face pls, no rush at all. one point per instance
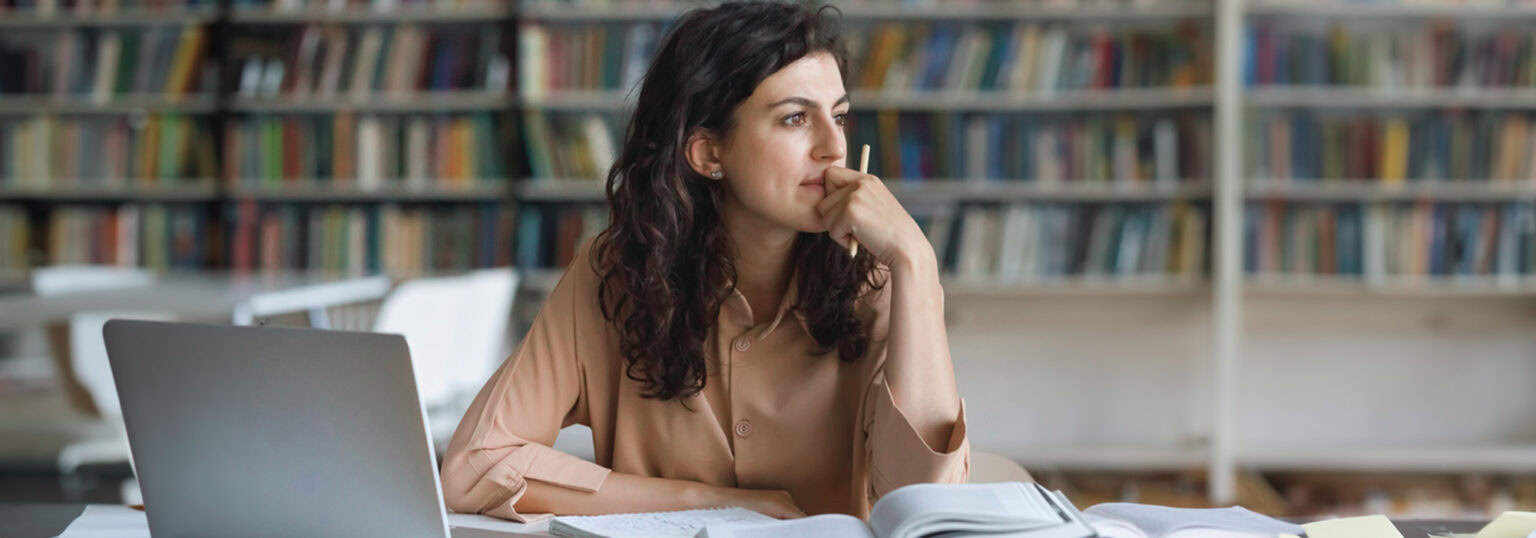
(786, 135)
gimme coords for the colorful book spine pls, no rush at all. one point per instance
(1392, 147)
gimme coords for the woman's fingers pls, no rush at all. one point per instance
(835, 198)
(838, 177)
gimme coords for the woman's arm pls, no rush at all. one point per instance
(623, 492)
(918, 369)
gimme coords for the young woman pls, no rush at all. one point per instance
(718, 338)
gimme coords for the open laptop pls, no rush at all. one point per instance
(250, 431)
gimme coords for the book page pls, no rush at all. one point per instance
(1157, 521)
(679, 524)
(961, 507)
(822, 526)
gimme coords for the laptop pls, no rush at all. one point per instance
(253, 431)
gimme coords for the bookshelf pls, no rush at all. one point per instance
(1437, 233)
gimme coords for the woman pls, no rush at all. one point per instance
(718, 338)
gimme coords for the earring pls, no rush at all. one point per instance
(716, 174)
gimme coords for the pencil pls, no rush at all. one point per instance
(853, 244)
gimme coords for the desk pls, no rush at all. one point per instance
(45, 520)
(240, 298)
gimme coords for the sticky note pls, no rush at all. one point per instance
(1510, 525)
(1354, 527)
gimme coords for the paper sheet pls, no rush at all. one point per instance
(103, 520)
(1353, 527)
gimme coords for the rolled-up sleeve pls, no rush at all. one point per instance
(899, 456)
(504, 438)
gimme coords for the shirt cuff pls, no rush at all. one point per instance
(899, 456)
(538, 462)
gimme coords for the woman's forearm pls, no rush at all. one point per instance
(622, 493)
(918, 368)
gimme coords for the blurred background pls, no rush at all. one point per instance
(1279, 253)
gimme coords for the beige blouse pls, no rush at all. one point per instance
(772, 415)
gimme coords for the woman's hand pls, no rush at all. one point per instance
(772, 502)
(859, 206)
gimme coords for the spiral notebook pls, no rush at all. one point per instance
(681, 524)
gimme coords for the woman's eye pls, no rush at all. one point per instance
(797, 119)
(842, 120)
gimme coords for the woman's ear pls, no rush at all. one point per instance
(703, 153)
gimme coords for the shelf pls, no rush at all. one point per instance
(406, 14)
(118, 104)
(195, 190)
(1511, 458)
(1000, 100)
(66, 18)
(1309, 285)
(1104, 457)
(658, 11)
(433, 101)
(481, 190)
(1383, 97)
(1335, 8)
(932, 190)
(1371, 190)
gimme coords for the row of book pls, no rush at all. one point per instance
(98, 7)
(584, 57)
(1422, 239)
(108, 7)
(15, 239)
(1159, 147)
(326, 61)
(365, 149)
(46, 150)
(1023, 57)
(1433, 54)
(547, 235)
(402, 241)
(100, 63)
(1044, 242)
(1163, 147)
(157, 236)
(370, 5)
(1027, 57)
(1392, 147)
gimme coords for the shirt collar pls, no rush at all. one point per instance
(786, 306)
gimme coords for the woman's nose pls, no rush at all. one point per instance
(830, 144)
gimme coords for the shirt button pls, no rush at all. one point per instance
(743, 429)
(743, 343)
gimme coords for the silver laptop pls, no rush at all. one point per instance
(249, 431)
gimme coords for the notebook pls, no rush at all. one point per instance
(680, 524)
(1129, 520)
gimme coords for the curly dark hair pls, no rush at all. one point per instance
(664, 261)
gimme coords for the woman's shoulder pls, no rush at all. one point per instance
(577, 285)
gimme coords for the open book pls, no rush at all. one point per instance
(1127, 520)
(1016, 509)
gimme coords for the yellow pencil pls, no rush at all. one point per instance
(853, 244)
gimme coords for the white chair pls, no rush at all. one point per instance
(87, 352)
(456, 328)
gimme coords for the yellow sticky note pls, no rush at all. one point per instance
(1354, 527)
(1510, 525)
